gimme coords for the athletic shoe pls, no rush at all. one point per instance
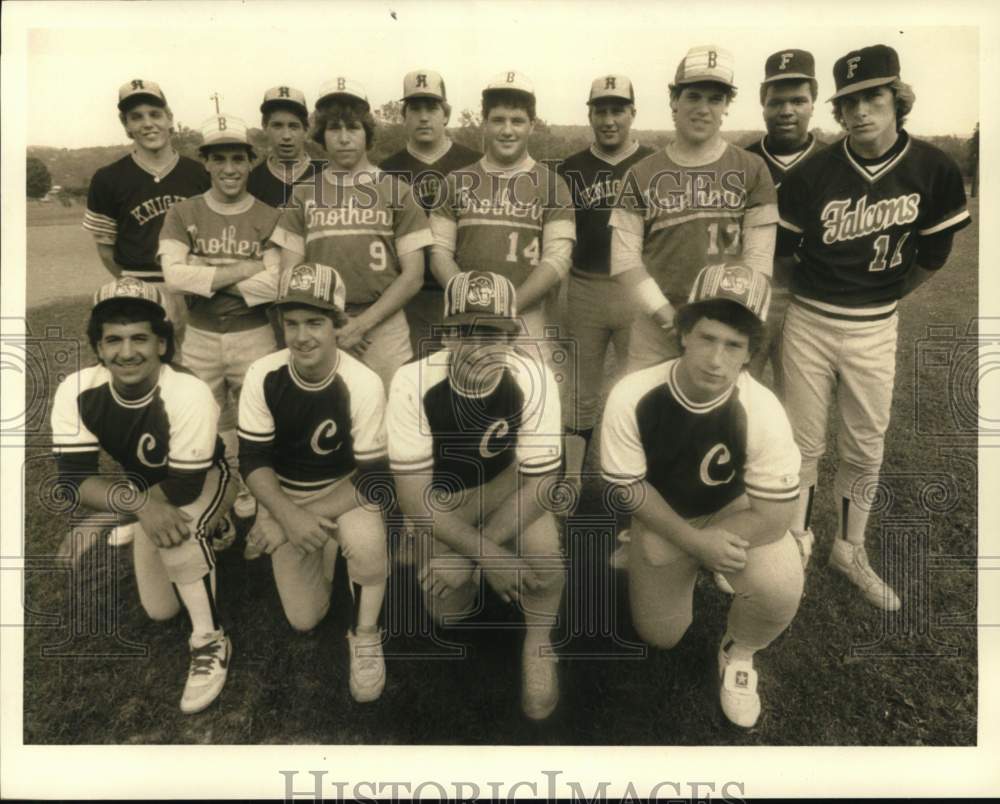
(121, 535)
(619, 558)
(245, 505)
(252, 549)
(367, 666)
(539, 685)
(224, 534)
(804, 540)
(738, 690)
(722, 584)
(207, 674)
(852, 560)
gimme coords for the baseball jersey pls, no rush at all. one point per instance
(310, 434)
(468, 440)
(500, 222)
(699, 456)
(595, 181)
(126, 205)
(859, 221)
(267, 181)
(171, 431)
(690, 217)
(361, 228)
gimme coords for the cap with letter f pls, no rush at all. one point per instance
(481, 298)
(137, 91)
(735, 283)
(284, 96)
(343, 88)
(312, 284)
(424, 84)
(706, 63)
(129, 288)
(869, 67)
(791, 63)
(611, 88)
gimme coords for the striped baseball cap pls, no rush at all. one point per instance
(706, 63)
(312, 284)
(736, 283)
(483, 298)
(341, 87)
(129, 288)
(223, 129)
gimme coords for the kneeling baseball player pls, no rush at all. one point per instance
(711, 475)
(311, 429)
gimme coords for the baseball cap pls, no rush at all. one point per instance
(344, 88)
(139, 90)
(611, 87)
(424, 84)
(706, 63)
(131, 289)
(861, 69)
(480, 297)
(512, 81)
(283, 95)
(736, 283)
(313, 284)
(789, 63)
(224, 129)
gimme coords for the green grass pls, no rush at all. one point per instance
(819, 687)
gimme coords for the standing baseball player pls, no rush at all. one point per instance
(429, 156)
(285, 120)
(874, 216)
(597, 313)
(312, 426)
(366, 223)
(159, 423)
(787, 95)
(699, 201)
(710, 474)
(212, 249)
(475, 427)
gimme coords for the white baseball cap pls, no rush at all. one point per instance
(706, 63)
(224, 129)
(284, 95)
(611, 87)
(138, 90)
(424, 84)
(342, 87)
(512, 81)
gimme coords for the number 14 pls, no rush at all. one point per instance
(882, 251)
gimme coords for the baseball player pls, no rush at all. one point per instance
(597, 313)
(699, 201)
(787, 95)
(363, 221)
(312, 426)
(285, 120)
(428, 157)
(873, 216)
(475, 427)
(710, 474)
(159, 423)
(213, 250)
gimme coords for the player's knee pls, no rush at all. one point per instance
(161, 610)
(304, 619)
(662, 633)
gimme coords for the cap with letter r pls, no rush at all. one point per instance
(735, 283)
(861, 69)
(129, 288)
(344, 88)
(224, 129)
(706, 63)
(791, 63)
(312, 284)
(284, 96)
(424, 84)
(481, 298)
(611, 88)
(511, 81)
(137, 91)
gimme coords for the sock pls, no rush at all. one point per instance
(803, 510)
(853, 522)
(199, 600)
(735, 650)
(367, 607)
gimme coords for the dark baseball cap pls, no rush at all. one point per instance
(791, 63)
(865, 68)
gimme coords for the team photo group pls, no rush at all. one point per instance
(298, 358)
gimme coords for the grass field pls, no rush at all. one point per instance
(843, 674)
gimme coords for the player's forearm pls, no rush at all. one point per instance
(443, 265)
(234, 272)
(263, 484)
(107, 255)
(758, 248)
(658, 516)
(761, 524)
(449, 527)
(501, 526)
(403, 288)
(340, 499)
(539, 282)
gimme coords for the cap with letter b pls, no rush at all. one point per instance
(869, 67)
(341, 87)
(284, 96)
(481, 298)
(129, 288)
(224, 129)
(736, 283)
(511, 81)
(137, 91)
(424, 84)
(611, 88)
(706, 63)
(312, 284)
(791, 63)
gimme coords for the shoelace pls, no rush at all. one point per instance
(203, 658)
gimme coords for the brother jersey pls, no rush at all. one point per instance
(699, 456)
(311, 434)
(361, 228)
(690, 217)
(859, 223)
(125, 208)
(466, 440)
(171, 431)
(267, 181)
(594, 183)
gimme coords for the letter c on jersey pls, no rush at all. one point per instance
(716, 456)
(498, 429)
(327, 429)
(146, 447)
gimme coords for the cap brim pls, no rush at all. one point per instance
(850, 89)
(283, 103)
(319, 305)
(731, 300)
(611, 99)
(788, 77)
(429, 95)
(706, 80)
(140, 97)
(224, 143)
(484, 320)
(130, 299)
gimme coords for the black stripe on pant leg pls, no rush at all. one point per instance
(207, 582)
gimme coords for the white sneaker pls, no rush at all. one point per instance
(245, 505)
(224, 534)
(539, 683)
(722, 584)
(804, 539)
(738, 690)
(206, 674)
(367, 666)
(619, 558)
(852, 560)
(121, 535)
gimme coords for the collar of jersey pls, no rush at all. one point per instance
(156, 174)
(875, 172)
(430, 160)
(617, 159)
(694, 407)
(228, 209)
(142, 401)
(277, 169)
(523, 166)
(364, 177)
(793, 158)
(458, 389)
(723, 145)
(304, 384)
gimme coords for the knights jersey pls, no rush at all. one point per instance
(310, 434)
(267, 182)
(125, 208)
(859, 223)
(594, 183)
(172, 430)
(500, 222)
(699, 456)
(690, 217)
(467, 440)
(361, 228)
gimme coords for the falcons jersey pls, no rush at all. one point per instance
(859, 221)
(467, 440)
(699, 456)
(126, 205)
(361, 228)
(595, 180)
(170, 431)
(267, 182)
(690, 217)
(310, 434)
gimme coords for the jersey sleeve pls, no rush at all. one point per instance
(793, 206)
(559, 214)
(772, 466)
(194, 418)
(368, 418)
(255, 423)
(762, 198)
(101, 216)
(623, 459)
(539, 443)
(411, 447)
(410, 226)
(947, 201)
(290, 231)
(74, 446)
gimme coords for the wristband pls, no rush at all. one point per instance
(650, 296)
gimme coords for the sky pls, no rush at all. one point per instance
(75, 66)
